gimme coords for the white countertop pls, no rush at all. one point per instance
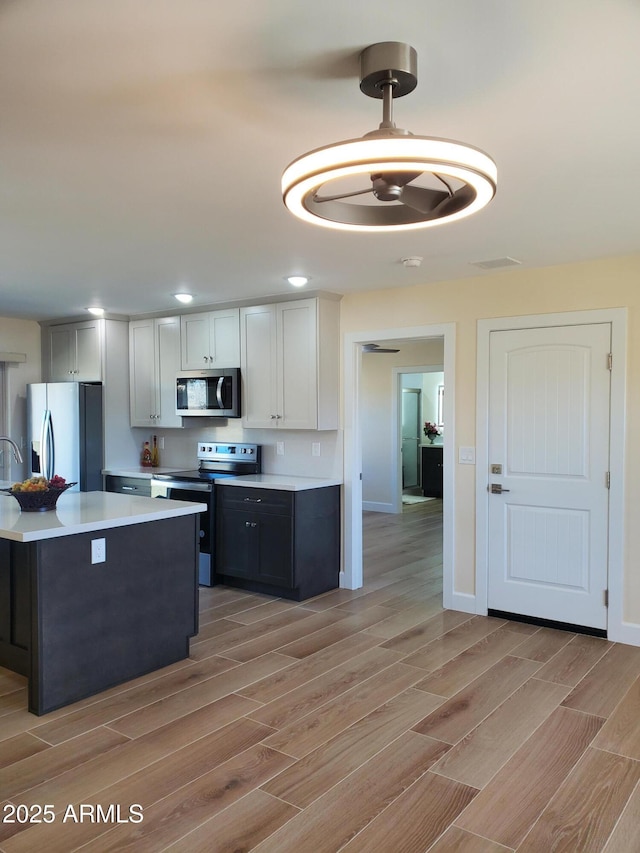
(278, 481)
(144, 473)
(84, 512)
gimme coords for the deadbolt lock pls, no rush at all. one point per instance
(496, 469)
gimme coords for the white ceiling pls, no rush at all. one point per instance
(142, 142)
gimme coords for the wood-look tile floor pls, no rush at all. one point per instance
(359, 721)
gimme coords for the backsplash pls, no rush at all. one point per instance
(298, 459)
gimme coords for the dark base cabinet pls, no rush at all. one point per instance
(282, 543)
(75, 628)
(432, 471)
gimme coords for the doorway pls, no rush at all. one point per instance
(351, 575)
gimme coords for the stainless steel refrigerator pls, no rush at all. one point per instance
(64, 422)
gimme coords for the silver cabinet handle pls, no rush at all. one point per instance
(253, 500)
(251, 524)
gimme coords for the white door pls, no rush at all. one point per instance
(549, 410)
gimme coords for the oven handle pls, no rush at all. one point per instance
(183, 485)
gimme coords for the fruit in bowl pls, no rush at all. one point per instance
(37, 494)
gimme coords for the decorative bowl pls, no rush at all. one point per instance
(42, 501)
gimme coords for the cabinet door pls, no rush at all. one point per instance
(297, 365)
(62, 358)
(432, 472)
(224, 336)
(258, 366)
(142, 373)
(236, 552)
(194, 333)
(275, 549)
(167, 365)
(88, 351)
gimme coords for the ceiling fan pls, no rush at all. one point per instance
(390, 178)
(376, 348)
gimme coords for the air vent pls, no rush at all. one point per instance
(496, 263)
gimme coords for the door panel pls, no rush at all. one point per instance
(549, 432)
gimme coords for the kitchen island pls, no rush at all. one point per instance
(101, 590)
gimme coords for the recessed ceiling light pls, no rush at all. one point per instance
(183, 297)
(97, 311)
(297, 280)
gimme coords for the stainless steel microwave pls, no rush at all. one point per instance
(209, 393)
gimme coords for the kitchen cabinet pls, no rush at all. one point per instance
(432, 471)
(290, 361)
(210, 340)
(154, 361)
(284, 543)
(75, 352)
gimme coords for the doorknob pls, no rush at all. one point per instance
(496, 489)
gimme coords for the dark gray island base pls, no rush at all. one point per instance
(75, 628)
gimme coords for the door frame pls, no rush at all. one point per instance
(618, 630)
(351, 573)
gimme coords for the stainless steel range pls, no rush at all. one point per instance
(216, 461)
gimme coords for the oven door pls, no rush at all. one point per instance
(181, 490)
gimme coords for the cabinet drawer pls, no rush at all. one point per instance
(271, 501)
(128, 485)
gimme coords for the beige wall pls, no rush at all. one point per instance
(605, 283)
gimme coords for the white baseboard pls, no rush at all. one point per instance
(462, 601)
(626, 632)
(377, 506)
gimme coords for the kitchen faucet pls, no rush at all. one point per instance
(16, 450)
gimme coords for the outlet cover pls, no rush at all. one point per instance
(315, 448)
(280, 448)
(98, 550)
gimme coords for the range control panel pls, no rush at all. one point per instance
(213, 452)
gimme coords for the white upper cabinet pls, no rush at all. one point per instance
(289, 365)
(75, 352)
(210, 340)
(154, 361)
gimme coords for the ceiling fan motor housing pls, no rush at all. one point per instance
(388, 60)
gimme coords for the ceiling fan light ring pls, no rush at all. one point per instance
(305, 175)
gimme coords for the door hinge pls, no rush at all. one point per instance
(605, 595)
(610, 361)
(607, 479)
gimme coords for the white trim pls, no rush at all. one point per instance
(463, 601)
(378, 506)
(351, 577)
(618, 629)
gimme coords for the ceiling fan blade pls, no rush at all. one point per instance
(320, 198)
(422, 199)
(452, 204)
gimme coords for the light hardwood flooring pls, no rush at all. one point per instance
(366, 721)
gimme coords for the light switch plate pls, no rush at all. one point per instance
(467, 455)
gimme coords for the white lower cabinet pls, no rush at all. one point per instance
(154, 361)
(289, 362)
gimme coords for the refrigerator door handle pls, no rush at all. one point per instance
(47, 455)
